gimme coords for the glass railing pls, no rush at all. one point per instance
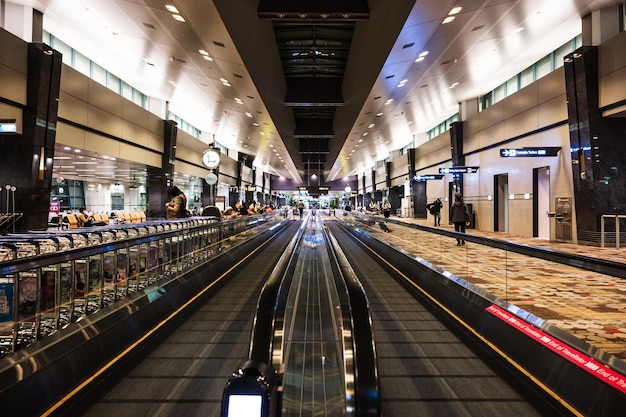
(50, 279)
(544, 286)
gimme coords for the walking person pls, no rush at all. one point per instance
(435, 209)
(459, 215)
(386, 209)
(301, 208)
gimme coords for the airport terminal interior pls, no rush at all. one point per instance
(329, 208)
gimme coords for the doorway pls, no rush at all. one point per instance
(541, 202)
(501, 203)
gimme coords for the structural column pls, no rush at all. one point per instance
(159, 179)
(27, 161)
(597, 147)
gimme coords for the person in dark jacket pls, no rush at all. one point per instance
(435, 209)
(459, 215)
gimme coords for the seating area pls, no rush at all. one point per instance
(70, 221)
(131, 216)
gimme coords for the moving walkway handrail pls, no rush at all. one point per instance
(270, 306)
(366, 386)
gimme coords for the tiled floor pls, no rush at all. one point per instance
(586, 304)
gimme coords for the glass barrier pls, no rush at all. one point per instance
(537, 284)
(42, 292)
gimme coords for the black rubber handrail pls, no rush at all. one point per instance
(366, 386)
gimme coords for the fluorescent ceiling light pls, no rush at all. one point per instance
(448, 19)
(455, 10)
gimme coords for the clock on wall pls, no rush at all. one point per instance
(211, 158)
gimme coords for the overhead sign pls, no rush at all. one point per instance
(312, 189)
(427, 177)
(529, 152)
(458, 170)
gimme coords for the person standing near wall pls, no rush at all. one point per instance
(177, 206)
(459, 215)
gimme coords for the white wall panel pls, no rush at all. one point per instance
(72, 108)
(70, 136)
(105, 99)
(552, 111)
(613, 88)
(14, 52)
(74, 83)
(521, 123)
(13, 85)
(106, 122)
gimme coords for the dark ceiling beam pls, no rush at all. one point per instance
(313, 128)
(314, 10)
(262, 61)
(371, 44)
(314, 92)
(313, 146)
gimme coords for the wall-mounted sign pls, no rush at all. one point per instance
(426, 177)
(8, 126)
(529, 152)
(458, 170)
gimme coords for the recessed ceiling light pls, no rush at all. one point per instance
(171, 8)
(455, 10)
(448, 19)
(178, 17)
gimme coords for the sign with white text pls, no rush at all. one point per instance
(529, 152)
(458, 170)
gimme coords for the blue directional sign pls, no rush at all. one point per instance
(458, 170)
(529, 152)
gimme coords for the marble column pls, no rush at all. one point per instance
(27, 159)
(159, 179)
(597, 148)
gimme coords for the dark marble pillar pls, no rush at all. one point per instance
(456, 144)
(26, 160)
(159, 179)
(598, 148)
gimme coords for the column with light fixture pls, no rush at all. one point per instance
(26, 161)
